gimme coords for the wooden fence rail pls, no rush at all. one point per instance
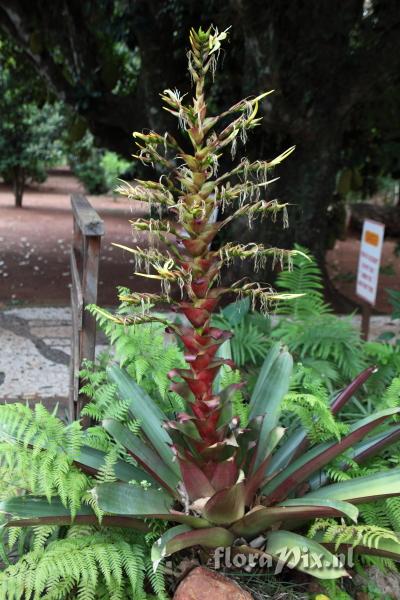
(85, 256)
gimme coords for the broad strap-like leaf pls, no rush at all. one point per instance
(344, 396)
(226, 506)
(271, 387)
(374, 444)
(362, 489)
(298, 440)
(91, 460)
(361, 452)
(126, 499)
(284, 454)
(254, 481)
(181, 537)
(261, 518)
(257, 400)
(151, 417)
(301, 469)
(22, 511)
(153, 464)
(296, 551)
(224, 352)
(196, 483)
(236, 311)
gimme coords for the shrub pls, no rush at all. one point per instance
(97, 169)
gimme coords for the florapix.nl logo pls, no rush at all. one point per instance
(296, 557)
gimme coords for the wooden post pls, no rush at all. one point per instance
(85, 256)
(365, 320)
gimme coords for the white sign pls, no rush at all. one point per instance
(369, 260)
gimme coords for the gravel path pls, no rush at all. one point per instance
(35, 351)
(34, 354)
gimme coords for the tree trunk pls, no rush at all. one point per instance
(306, 183)
(323, 59)
(19, 186)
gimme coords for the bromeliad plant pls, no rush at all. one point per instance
(217, 479)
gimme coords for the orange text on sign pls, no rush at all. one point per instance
(371, 238)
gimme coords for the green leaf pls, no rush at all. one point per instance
(160, 548)
(226, 506)
(270, 389)
(126, 499)
(255, 480)
(258, 397)
(236, 311)
(303, 554)
(285, 453)
(261, 518)
(319, 456)
(181, 537)
(150, 460)
(375, 444)
(282, 456)
(151, 417)
(38, 506)
(94, 459)
(345, 508)
(22, 511)
(362, 489)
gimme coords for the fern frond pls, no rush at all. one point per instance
(87, 560)
(39, 450)
(304, 278)
(240, 407)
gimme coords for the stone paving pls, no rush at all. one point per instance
(35, 351)
(34, 354)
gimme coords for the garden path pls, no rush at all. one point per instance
(35, 243)
(34, 356)
(35, 350)
(34, 270)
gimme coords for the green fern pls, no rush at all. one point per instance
(145, 353)
(334, 590)
(240, 407)
(304, 278)
(308, 400)
(315, 416)
(392, 512)
(387, 358)
(353, 535)
(39, 450)
(391, 397)
(324, 338)
(147, 357)
(94, 562)
(316, 337)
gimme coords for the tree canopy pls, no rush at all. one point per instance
(334, 66)
(30, 125)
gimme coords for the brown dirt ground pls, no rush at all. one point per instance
(342, 264)
(35, 242)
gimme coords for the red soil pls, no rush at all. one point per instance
(35, 242)
(342, 264)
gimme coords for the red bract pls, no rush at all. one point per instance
(221, 467)
(219, 480)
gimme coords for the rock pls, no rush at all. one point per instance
(203, 584)
(387, 583)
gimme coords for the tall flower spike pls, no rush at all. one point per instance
(191, 192)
